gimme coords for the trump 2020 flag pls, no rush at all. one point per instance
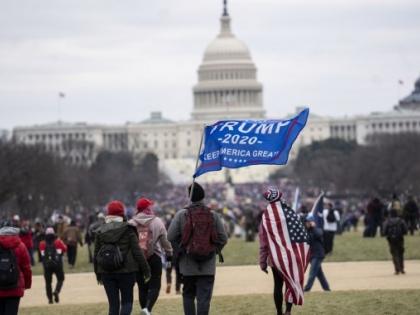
(240, 143)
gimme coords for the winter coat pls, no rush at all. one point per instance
(58, 244)
(9, 239)
(156, 226)
(316, 242)
(125, 237)
(187, 265)
(389, 223)
(72, 236)
(26, 238)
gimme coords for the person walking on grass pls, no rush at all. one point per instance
(283, 247)
(15, 270)
(52, 250)
(153, 241)
(72, 237)
(394, 230)
(331, 220)
(315, 238)
(411, 214)
(201, 236)
(117, 258)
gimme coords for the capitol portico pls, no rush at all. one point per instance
(227, 88)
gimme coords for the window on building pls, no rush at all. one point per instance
(44, 137)
(188, 142)
(400, 124)
(145, 145)
(373, 126)
(155, 144)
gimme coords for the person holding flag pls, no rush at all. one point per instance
(284, 248)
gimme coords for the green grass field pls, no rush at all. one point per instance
(347, 247)
(402, 302)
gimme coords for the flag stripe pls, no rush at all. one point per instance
(288, 253)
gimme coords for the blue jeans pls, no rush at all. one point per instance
(316, 272)
(116, 284)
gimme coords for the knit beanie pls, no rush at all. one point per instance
(116, 208)
(197, 192)
(272, 194)
(49, 230)
(143, 204)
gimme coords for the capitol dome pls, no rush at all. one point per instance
(412, 101)
(226, 46)
(227, 79)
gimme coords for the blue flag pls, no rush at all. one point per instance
(240, 143)
(318, 209)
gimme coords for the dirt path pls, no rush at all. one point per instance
(82, 288)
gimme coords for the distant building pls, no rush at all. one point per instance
(227, 87)
(4, 135)
(412, 101)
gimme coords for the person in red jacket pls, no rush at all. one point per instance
(10, 296)
(25, 235)
(52, 251)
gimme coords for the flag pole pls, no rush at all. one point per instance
(197, 161)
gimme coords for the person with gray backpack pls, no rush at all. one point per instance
(394, 230)
(117, 258)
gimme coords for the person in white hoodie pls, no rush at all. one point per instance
(154, 242)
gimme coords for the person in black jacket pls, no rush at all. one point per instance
(315, 235)
(394, 230)
(411, 214)
(119, 283)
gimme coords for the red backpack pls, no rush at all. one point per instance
(199, 234)
(145, 239)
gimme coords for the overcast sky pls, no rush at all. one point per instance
(117, 61)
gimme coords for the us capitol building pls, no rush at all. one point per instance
(227, 88)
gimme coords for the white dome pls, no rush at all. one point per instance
(226, 47)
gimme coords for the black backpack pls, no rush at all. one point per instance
(110, 257)
(395, 230)
(9, 271)
(51, 258)
(331, 216)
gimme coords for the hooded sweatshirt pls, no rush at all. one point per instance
(159, 233)
(9, 239)
(125, 237)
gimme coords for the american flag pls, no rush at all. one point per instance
(289, 250)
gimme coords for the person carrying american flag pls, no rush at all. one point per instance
(283, 247)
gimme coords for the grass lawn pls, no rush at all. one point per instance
(402, 302)
(347, 247)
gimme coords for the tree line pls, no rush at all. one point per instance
(34, 182)
(386, 164)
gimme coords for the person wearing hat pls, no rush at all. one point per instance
(315, 235)
(119, 283)
(12, 249)
(52, 250)
(198, 276)
(272, 195)
(154, 242)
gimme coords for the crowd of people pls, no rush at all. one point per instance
(151, 239)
